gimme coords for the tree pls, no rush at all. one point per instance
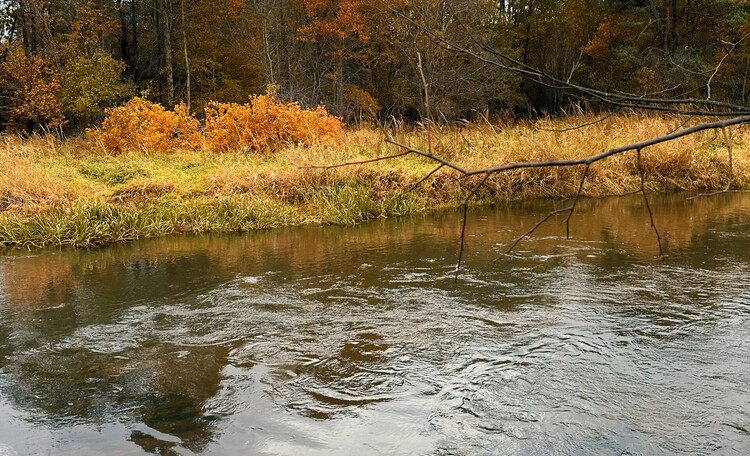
(340, 29)
(92, 84)
(31, 85)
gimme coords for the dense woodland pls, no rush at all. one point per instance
(63, 62)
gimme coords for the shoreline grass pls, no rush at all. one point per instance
(68, 192)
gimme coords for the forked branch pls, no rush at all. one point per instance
(570, 209)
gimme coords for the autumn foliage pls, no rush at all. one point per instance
(266, 123)
(32, 86)
(263, 125)
(62, 63)
(145, 126)
(91, 84)
(334, 19)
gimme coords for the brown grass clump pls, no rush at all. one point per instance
(25, 184)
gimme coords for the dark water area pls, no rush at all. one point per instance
(356, 340)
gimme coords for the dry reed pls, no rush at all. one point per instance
(56, 191)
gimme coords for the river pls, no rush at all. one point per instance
(357, 340)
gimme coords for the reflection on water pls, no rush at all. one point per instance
(322, 340)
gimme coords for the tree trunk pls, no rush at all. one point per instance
(25, 33)
(663, 32)
(124, 45)
(156, 52)
(185, 49)
(168, 55)
(266, 44)
(134, 32)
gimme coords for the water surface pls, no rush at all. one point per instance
(357, 340)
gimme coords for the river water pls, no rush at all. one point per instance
(357, 340)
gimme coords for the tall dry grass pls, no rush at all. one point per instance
(26, 185)
(690, 163)
(56, 191)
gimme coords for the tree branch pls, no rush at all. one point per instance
(648, 206)
(427, 176)
(465, 204)
(578, 127)
(361, 162)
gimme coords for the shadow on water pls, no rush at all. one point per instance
(356, 339)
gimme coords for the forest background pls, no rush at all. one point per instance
(63, 62)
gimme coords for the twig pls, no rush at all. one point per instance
(620, 195)
(476, 188)
(440, 166)
(463, 236)
(648, 206)
(362, 162)
(718, 67)
(682, 124)
(428, 119)
(575, 65)
(528, 233)
(465, 204)
(570, 209)
(536, 143)
(562, 130)
(575, 201)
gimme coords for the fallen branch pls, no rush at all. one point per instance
(692, 107)
(486, 173)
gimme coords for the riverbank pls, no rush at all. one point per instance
(69, 192)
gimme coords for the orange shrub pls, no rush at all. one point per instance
(146, 126)
(265, 124)
(32, 85)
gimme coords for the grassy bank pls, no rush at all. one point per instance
(69, 192)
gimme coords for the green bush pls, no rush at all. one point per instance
(90, 84)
